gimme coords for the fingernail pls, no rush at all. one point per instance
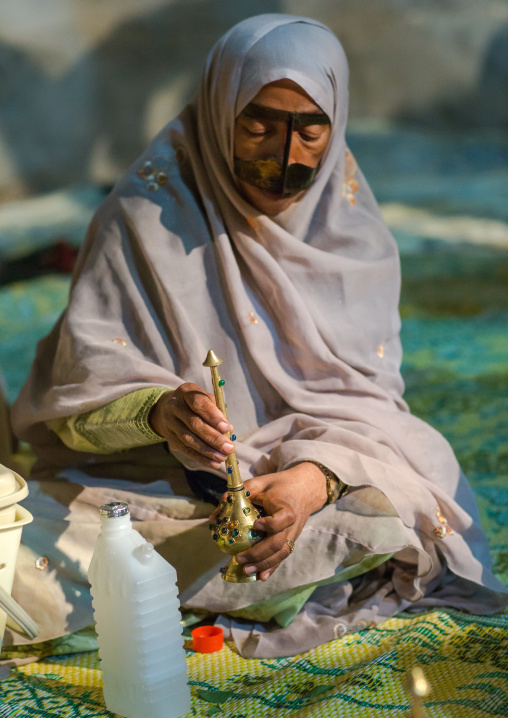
(249, 570)
(241, 559)
(215, 465)
(219, 457)
(223, 426)
(226, 446)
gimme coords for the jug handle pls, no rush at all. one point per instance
(18, 620)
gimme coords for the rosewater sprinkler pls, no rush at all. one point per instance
(233, 530)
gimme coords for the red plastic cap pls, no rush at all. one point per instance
(207, 639)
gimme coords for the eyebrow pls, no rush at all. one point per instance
(300, 119)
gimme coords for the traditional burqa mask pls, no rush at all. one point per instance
(269, 174)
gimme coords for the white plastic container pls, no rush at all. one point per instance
(137, 614)
(12, 519)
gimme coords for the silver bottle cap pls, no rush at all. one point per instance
(114, 509)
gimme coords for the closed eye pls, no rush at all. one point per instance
(309, 138)
(253, 127)
(259, 133)
(311, 134)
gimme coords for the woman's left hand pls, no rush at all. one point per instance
(288, 498)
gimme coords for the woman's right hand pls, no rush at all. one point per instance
(190, 421)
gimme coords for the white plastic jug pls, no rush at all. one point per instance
(136, 610)
(12, 519)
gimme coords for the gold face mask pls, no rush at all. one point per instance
(285, 179)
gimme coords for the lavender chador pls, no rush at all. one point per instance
(302, 308)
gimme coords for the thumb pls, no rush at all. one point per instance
(257, 486)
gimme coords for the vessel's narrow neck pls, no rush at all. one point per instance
(115, 524)
(234, 479)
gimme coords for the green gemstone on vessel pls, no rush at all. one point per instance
(221, 382)
(247, 493)
(246, 510)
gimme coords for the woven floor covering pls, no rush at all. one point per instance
(465, 659)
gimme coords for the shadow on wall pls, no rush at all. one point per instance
(487, 104)
(103, 99)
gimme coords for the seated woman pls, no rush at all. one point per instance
(246, 227)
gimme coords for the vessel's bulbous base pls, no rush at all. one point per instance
(233, 531)
(233, 572)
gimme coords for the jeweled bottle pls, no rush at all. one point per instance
(136, 610)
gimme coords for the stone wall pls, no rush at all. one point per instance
(85, 83)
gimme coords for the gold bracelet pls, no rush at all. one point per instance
(335, 487)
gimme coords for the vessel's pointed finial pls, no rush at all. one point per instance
(419, 688)
(212, 359)
(419, 682)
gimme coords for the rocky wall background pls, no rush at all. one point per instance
(85, 83)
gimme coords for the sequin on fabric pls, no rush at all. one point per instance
(350, 184)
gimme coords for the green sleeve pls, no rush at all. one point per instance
(122, 424)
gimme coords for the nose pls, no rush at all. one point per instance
(276, 147)
(296, 151)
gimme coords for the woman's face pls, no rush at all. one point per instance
(263, 139)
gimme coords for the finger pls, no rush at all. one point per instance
(230, 425)
(278, 522)
(203, 404)
(188, 438)
(281, 520)
(175, 444)
(268, 552)
(207, 434)
(218, 508)
(271, 562)
(258, 484)
(260, 489)
(265, 575)
(214, 515)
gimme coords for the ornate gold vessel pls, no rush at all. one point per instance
(233, 530)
